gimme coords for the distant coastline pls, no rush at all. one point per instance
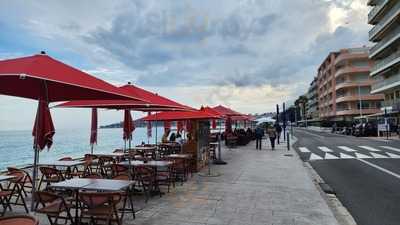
(138, 123)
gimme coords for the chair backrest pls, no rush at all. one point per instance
(121, 177)
(99, 199)
(93, 176)
(19, 176)
(66, 159)
(49, 172)
(46, 196)
(19, 220)
(118, 151)
(105, 159)
(90, 156)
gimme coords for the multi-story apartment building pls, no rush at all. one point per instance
(344, 86)
(385, 18)
(312, 101)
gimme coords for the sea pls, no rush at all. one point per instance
(16, 147)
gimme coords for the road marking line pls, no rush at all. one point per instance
(345, 156)
(370, 148)
(378, 156)
(391, 148)
(314, 157)
(316, 135)
(394, 156)
(347, 149)
(324, 149)
(380, 168)
(362, 156)
(304, 150)
(330, 156)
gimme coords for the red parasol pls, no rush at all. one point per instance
(43, 129)
(128, 125)
(167, 126)
(93, 130)
(48, 80)
(180, 115)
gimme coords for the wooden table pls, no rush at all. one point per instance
(112, 155)
(62, 163)
(77, 184)
(151, 163)
(6, 178)
(180, 156)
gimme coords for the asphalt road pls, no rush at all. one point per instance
(364, 173)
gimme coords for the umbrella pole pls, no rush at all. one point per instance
(91, 149)
(35, 158)
(156, 133)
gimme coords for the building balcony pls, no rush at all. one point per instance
(376, 32)
(386, 63)
(386, 42)
(372, 2)
(386, 83)
(352, 98)
(373, 15)
(352, 69)
(349, 112)
(352, 84)
(361, 53)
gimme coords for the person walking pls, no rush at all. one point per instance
(278, 130)
(272, 136)
(259, 135)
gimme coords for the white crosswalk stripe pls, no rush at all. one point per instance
(304, 149)
(331, 152)
(315, 157)
(370, 148)
(325, 149)
(391, 148)
(378, 156)
(394, 156)
(362, 156)
(345, 156)
(330, 156)
(347, 149)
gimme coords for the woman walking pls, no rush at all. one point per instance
(272, 136)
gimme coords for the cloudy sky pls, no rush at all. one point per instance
(246, 54)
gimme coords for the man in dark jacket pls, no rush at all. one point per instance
(259, 135)
(278, 130)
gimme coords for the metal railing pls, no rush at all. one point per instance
(388, 17)
(385, 82)
(380, 64)
(394, 34)
(379, 6)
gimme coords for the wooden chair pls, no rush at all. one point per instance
(19, 220)
(127, 196)
(100, 206)
(14, 192)
(50, 175)
(146, 180)
(53, 206)
(26, 183)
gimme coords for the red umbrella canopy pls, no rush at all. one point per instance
(43, 129)
(228, 125)
(27, 76)
(153, 98)
(128, 125)
(93, 133)
(180, 115)
(211, 111)
(226, 111)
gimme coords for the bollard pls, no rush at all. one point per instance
(288, 142)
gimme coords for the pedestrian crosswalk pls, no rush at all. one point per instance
(348, 152)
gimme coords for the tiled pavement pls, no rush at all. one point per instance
(255, 187)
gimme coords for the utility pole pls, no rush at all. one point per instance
(284, 121)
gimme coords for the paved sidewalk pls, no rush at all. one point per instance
(256, 187)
